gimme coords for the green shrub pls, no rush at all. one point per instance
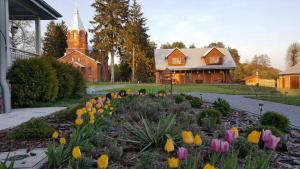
(142, 91)
(223, 106)
(179, 99)
(33, 129)
(243, 146)
(210, 113)
(32, 80)
(275, 119)
(188, 97)
(147, 160)
(209, 123)
(196, 102)
(79, 89)
(161, 92)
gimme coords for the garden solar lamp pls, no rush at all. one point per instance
(201, 96)
(260, 105)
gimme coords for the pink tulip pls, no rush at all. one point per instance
(224, 147)
(229, 136)
(272, 142)
(215, 145)
(266, 135)
(182, 153)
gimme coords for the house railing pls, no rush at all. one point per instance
(21, 54)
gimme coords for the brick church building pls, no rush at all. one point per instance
(79, 55)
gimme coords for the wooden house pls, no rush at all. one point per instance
(290, 78)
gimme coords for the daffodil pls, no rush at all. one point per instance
(197, 140)
(79, 121)
(62, 141)
(76, 153)
(102, 161)
(254, 137)
(173, 162)
(187, 137)
(55, 135)
(169, 146)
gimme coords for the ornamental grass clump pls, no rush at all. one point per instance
(275, 119)
(222, 106)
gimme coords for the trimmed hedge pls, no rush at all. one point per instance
(32, 80)
(275, 119)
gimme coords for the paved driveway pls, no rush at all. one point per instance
(251, 105)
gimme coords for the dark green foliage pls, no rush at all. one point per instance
(178, 44)
(179, 99)
(147, 160)
(210, 113)
(162, 92)
(243, 146)
(277, 120)
(32, 80)
(142, 91)
(196, 102)
(79, 89)
(55, 41)
(223, 106)
(188, 97)
(33, 129)
(67, 115)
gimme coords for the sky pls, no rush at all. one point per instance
(251, 26)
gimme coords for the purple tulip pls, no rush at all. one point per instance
(229, 136)
(266, 135)
(215, 145)
(272, 142)
(224, 147)
(182, 153)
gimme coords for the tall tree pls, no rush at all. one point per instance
(22, 37)
(263, 60)
(235, 55)
(216, 44)
(192, 46)
(55, 41)
(135, 38)
(293, 54)
(108, 25)
(177, 44)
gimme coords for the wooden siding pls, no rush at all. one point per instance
(214, 53)
(176, 54)
(288, 82)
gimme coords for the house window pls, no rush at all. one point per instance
(214, 60)
(175, 61)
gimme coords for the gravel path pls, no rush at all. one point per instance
(251, 105)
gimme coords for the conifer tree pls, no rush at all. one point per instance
(108, 24)
(55, 41)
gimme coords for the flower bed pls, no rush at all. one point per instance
(156, 131)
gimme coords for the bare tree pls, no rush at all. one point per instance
(22, 35)
(293, 54)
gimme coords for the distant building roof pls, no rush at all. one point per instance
(77, 23)
(31, 9)
(291, 70)
(193, 59)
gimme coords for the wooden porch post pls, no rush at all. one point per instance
(4, 56)
(38, 36)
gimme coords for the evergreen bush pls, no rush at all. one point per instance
(210, 113)
(223, 106)
(142, 91)
(179, 99)
(196, 102)
(277, 120)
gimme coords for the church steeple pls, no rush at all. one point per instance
(77, 36)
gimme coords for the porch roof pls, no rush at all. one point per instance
(31, 10)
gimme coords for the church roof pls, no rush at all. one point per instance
(291, 70)
(77, 23)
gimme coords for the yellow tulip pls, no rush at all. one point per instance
(79, 112)
(78, 121)
(254, 137)
(91, 113)
(98, 106)
(236, 132)
(55, 135)
(101, 110)
(62, 140)
(84, 110)
(106, 106)
(169, 146)
(197, 140)
(173, 162)
(102, 161)
(208, 166)
(187, 137)
(76, 153)
(110, 113)
(92, 121)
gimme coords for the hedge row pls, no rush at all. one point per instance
(43, 80)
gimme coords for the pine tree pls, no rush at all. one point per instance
(108, 24)
(55, 41)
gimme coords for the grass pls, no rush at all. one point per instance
(205, 88)
(291, 100)
(97, 84)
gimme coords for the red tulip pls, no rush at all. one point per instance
(224, 147)
(215, 145)
(182, 153)
(229, 136)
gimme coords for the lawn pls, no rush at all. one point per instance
(291, 100)
(205, 88)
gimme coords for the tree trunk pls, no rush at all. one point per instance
(133, 65)
(112, 67)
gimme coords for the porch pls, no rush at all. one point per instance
(207, 76)
(36, 10)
